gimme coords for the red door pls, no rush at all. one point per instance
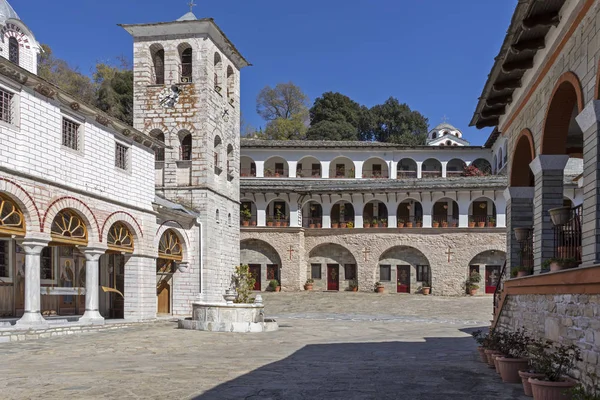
(492, 274)
(333, 277)
(403, 278)
(255, 271)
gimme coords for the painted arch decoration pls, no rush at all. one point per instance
(12, 221)
(170, 247)
(120, 238)
(69, 228)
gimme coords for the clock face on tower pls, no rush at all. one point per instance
(169, 97)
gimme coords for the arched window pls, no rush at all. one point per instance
(186, 147)
(217, 216)
(158, 60)
(218, 66)
(230, 162)
(217, 157)
(13, 50)
(186, 65)
(230, 85)
(159, 154)
(229, 219)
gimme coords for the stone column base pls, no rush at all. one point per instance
(32, 320)
(92, 317)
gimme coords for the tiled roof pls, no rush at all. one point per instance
(261, 143)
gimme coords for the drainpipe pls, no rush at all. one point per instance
(200, 253)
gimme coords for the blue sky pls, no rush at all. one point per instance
(431, 54)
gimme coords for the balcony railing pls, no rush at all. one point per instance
(342, 174)
(454, 174)
(567, 237)
(275, 173)
(312, 223)
(407, 174)
(409, 222)
(374, 174)
(431, 174)
(278, 223)
(308, 173)
(482, 221)
(444, 221)
(248, 172)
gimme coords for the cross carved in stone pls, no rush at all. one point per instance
(291, 251)
(366, 252)
(449, 253)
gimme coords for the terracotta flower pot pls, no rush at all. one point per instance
(495, 357)
(481, 351)
(277, 224)
(343, 225)
(400, 224)
(380, 289)
(409, 224)
(253, 223)
(491, 224)
(426, 291)
(490, 360)
(521, 274)
(245, 223)
(308, 287)
(444, 224)
(354, 289)
(471, 224)
(435, 224)
(269, 224)
(278, 289)
(556, 267)
(545, 390)
(367, 225)
(472, 292)
(481, 224)
(509, 368)
(525, 380)
(312, 226)
(335, 226)
(318, 226)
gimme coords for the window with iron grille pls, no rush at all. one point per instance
(121, 156)
(315, 271)
(4, 267)
(423, 273)
(6, 106)
(70, 134)
(350, 271)
(46, 263)
(385, 273)
(13, 50)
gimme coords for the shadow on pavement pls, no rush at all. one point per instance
(437, 368)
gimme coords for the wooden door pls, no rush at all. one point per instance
(403, 278)
(333, 277)
(255, 271)
(492, 274)
(164, 297)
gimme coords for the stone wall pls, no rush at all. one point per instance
(447, 277)
(563, 318)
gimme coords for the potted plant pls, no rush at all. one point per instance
(400, 223)
(492, 343)
(471, 223)
(520, 271)
(366, 224)
(353, 285)
(268, 172)
(409, 224)
(558, 264)
(444, 224)
(335, 224)
(343, 225)
(481, 224)
(472, 281)
(560, 216)
(253, 223)
(269, 221)
(426, 289)
(379, 287)
(435, 224)
(312, 225)
(515, 346)
(383, 223)
(309, 284)
(375, 223)
(480, 338)
(554, 361)
(274, 285)
(419, 223)
(350, 225)
(491, 222)
(246, 216)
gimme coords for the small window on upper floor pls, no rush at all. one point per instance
(230, 85)
(121, 156)
(7, 106)
(218, 64)
(13, 50)
(158, 61)
(70, 134)
(186, 65)
(186, 148)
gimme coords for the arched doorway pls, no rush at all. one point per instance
(263, 260)
(488, 265)
(120, 241)
(170, 252)
(482, 213)
(332, 267)
(12, 274)
(404, 269)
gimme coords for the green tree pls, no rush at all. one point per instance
(335, 116)
(58, 72)
(394, 122)
(115, 90)
(285, 129)
(285, 100)
(332, 130)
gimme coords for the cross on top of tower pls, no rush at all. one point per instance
(192, 5)
(445, 118)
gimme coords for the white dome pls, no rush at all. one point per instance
(7, 12)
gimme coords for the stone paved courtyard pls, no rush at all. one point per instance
(329, 346)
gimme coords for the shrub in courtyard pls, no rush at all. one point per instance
(579, 392)
(353, 285)
(472, 283)
(551, 362)
(379, 287)
(309, 284)
(243, 281)
(274, 285)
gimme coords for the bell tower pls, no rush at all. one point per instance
(187, 93)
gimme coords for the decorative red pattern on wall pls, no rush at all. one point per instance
(121, 212)
(29, 197)
(77, 200)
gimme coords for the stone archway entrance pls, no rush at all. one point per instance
(170, 251)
